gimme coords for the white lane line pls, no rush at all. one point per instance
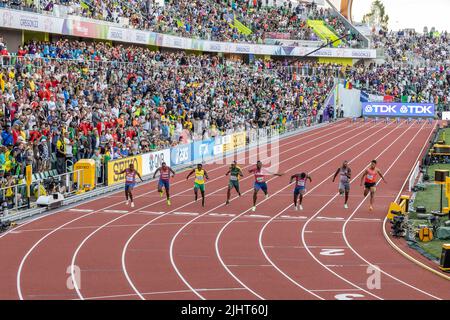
(335, 290)
(221, 214)
(80, 210)
(185, 213)
(294, 217)
(115, 211)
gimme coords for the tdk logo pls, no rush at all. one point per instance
(399, 109)
(381, 108)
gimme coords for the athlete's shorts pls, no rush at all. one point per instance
(261, 185)
(299, 190)
(199, 186)
(233, 184)
(344, 186)
(369, 185)
(163, 183)
(129, 186)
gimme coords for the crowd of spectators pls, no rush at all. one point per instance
(205, 19)
(79, 100)
(417, 68)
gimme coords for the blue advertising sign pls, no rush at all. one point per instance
(202, 149)
(387, 109)
(180, 154)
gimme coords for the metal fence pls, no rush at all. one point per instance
(14, 198)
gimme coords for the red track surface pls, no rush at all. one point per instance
(228, 252)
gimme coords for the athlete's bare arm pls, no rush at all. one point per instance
(293, 177)
(121, 172)
(381, 175)
(240, 173)
(309, 178)
(173, 172)
(139, 175)
(228, 172)
(156, 171)
(363, 176)
(206, 175)
(349, 173)
(190, 173)
(337, 172)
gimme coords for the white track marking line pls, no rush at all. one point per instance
(232, 220)
(361, 203)
(19, 271)
(357, 176)
(286, 208)
(171, 246)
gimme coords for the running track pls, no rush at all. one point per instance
(229, 252)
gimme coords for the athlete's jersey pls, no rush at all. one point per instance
(234, 173)
(343, 175)
(259, 175)
(130, 176)
(199, 176)
(300, 182)
(371, 176)
(165, 174)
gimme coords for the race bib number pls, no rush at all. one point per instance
(301, 183)
(369, 176)
(233, 178)
(199, 178)
(260, 179)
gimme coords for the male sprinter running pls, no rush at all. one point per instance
(345, 174)
(130, 182)
(300, 188)
(199, 182)
(369, 177)
(235, 173)
(260, 183)
(164, 180)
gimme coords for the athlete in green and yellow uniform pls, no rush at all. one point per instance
(199, 182)
(235, 173)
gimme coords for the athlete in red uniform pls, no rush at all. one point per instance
(130, 182)
(164, 180)
(370, 177)
(260, 183)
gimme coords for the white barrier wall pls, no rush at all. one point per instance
(350, 100)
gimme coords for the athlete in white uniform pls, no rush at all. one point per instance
(345, 174)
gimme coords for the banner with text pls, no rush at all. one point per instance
(202, 150)
(180, 155)
(425, 110)
(153, 160)
(116, 166)
(90, 28)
